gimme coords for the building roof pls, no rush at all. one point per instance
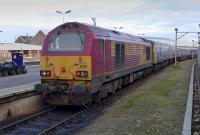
(38, 38)
(44, 31)
(19, 46)
(25, 38)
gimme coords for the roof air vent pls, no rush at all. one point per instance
(116, 32)
(63, 26)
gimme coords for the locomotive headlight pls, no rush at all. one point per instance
(48, 73)
(82, 73)
(45, 73)
(78, 73)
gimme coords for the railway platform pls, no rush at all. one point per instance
(19, 101)
(187, 125)
(13, 93)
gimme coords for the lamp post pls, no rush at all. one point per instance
(175, 61)
(192, 48)
(94, 21)
(63, 14)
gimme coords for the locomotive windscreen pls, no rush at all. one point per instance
(67, 42)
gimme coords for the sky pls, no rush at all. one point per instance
(152, 18)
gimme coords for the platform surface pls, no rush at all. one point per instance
(6, 92)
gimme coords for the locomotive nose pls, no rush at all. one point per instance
(66, 67)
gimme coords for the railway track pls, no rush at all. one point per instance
(13, 125)
(43, 122)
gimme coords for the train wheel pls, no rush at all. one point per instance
(98, 97)
(5, 73)
(119, 84)
(114, 87)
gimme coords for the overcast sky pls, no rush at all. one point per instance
(154, 18)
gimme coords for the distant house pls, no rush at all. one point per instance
(24, 39)
(39, 37)
(28, 46)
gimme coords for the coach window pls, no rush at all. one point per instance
(101, 45)
(148, 53)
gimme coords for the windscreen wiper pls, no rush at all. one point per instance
(80, 38)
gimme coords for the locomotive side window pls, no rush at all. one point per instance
(117, 55)
(67, 42)
(148, 53)
(101, 45)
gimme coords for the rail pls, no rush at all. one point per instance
(187, 125)
(46, 131)
(8, 127)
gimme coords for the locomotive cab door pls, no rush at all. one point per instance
(104, 55)
(101, 56)
(152, 53)
(148, 53)
(107, 56)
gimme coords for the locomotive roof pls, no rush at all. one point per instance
(105, 33)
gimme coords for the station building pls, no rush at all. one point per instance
(31, 52)
(30, 46)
